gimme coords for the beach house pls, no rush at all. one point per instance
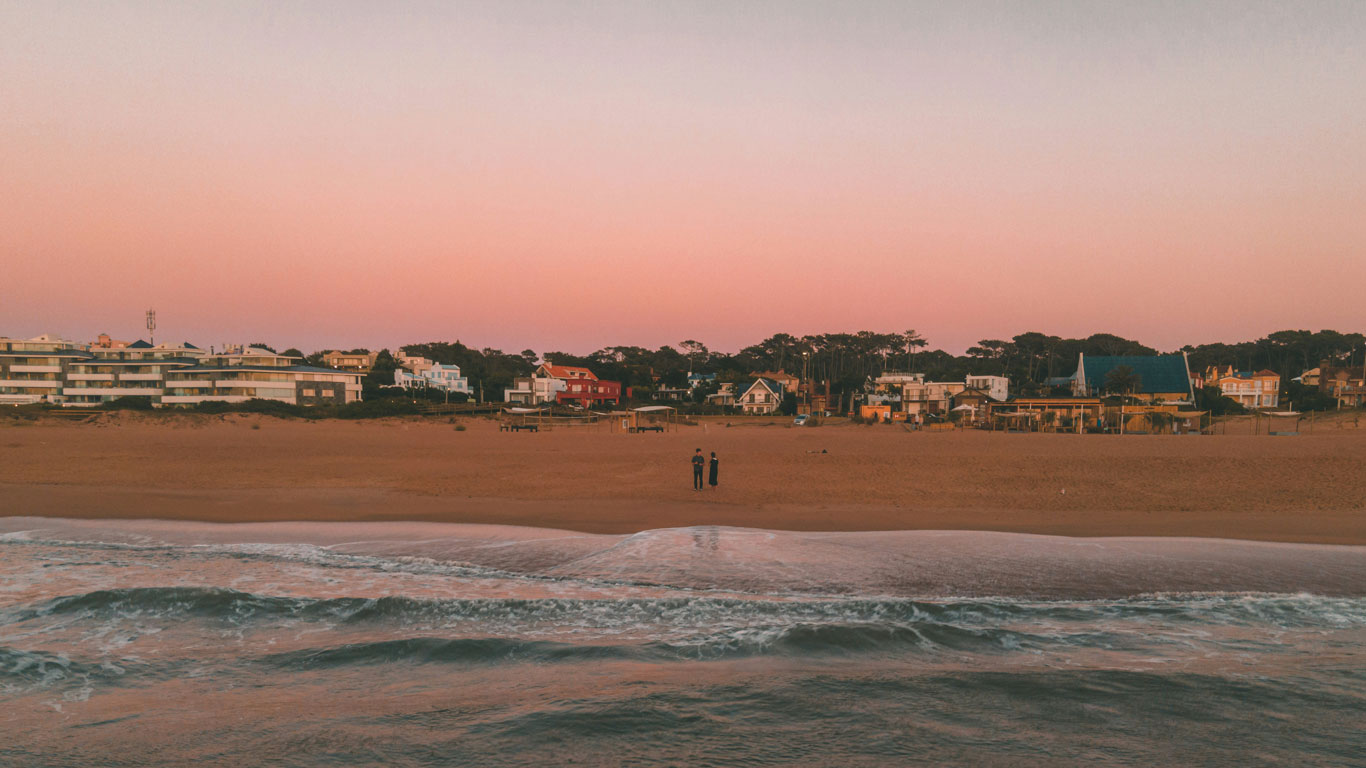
(1252, 389)
(762, 397)
(1346, 384)
(995, 387)
(577, 386)
(438, 376)
(533, 390)
(786, 381)
(359, 361)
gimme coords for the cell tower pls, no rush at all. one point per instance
(152, 327)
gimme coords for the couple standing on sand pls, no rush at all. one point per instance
(699, 461)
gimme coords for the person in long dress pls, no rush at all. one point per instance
(711, 474)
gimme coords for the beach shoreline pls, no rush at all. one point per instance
(237, 469)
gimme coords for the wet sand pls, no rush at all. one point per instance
(1308, 488)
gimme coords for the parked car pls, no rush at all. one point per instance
(800, 421)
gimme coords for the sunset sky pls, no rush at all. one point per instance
(568, 176)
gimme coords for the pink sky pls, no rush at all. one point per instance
(566, 178)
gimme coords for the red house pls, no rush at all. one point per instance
(581, 386)
(590, 392)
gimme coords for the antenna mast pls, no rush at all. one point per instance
(152, 326)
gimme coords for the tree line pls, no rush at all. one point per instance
(843, 362)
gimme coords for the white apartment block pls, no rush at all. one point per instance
(50, 370)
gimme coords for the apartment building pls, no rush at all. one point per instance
(238, 374)
(132, 370)
(34, 370)
(47, 369)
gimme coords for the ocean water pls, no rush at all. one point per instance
(154, 643)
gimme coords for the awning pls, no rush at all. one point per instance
(652, 408)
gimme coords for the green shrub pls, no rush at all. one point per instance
(129, 403)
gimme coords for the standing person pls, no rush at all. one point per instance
(698, 461)
(711, 474)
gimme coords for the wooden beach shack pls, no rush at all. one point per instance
(649, 418)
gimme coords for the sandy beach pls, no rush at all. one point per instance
(837, 477)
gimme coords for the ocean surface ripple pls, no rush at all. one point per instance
(148, 643)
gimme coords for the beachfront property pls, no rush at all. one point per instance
(425, 374)
(1252, 389)
(241, 373)
(724, 395)
(762, 397)
(564, 384)
(360, 362)
(50, 370)
(671, 393)
(589, 393)
(1164, 378)
(1346, 384)
(1054, 413)
(921, 398)
(136, 369)
(787, 381)
(909, 396)
(696, 380)
(533, 390)
(34, 370)
(994, 387)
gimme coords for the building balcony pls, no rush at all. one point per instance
(192, 399)
(90, 377)
(31, 383)
(140, 377)
(35, 369)
(113, 391)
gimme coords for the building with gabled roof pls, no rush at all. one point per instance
(762, 397)
(1252, 389)
(1160, 377)
(787, 381)
(564, 372)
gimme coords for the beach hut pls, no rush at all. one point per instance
(649, 418)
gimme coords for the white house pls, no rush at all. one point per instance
(762, 397)
(446, 378)
(996, 387)
(534, 390)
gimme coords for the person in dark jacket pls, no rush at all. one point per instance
(698, 462)
(711, 475)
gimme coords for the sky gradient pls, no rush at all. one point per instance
(539, 174)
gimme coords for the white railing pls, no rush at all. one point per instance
(114, 391)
